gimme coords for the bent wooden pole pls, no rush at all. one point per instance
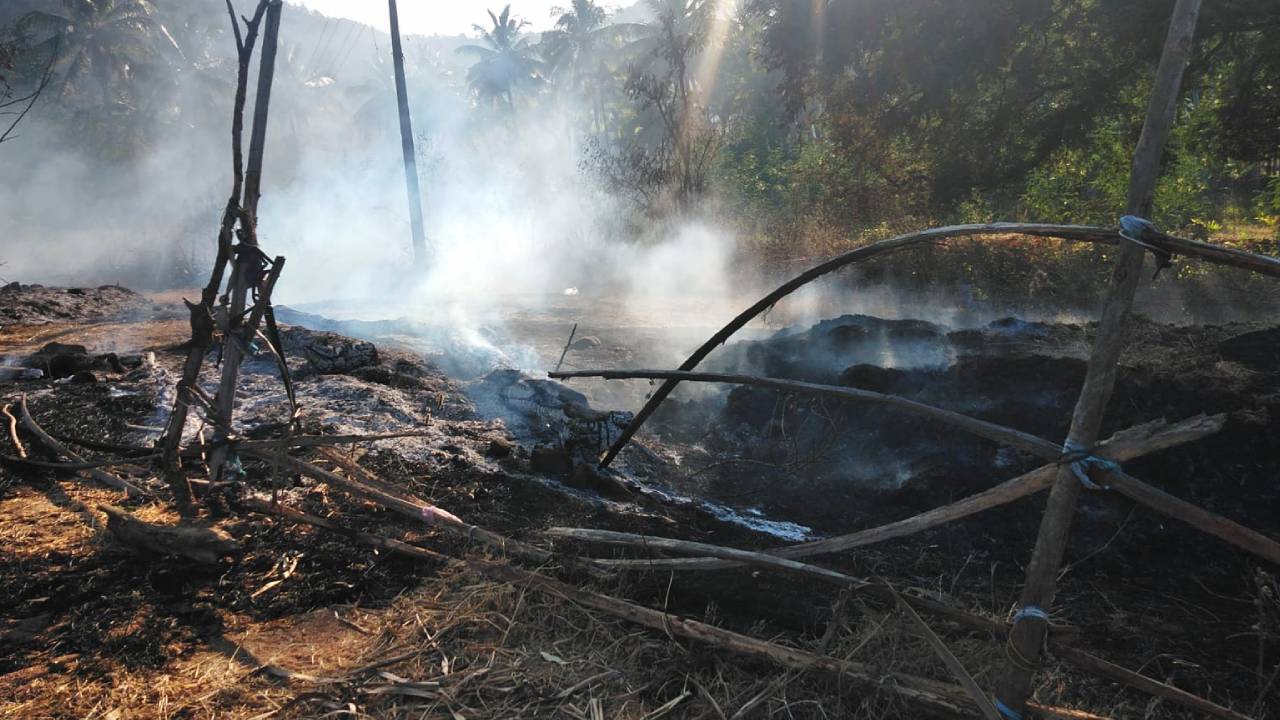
(1027, 637)
(1081, 233)
(884, 247)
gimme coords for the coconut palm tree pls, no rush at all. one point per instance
(98, 43)
(576, 51)
(504, 63)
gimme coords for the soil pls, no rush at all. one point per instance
(93, 628)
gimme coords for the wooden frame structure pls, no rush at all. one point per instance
(1068, 465)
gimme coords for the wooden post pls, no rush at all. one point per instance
(202, 322)
(261, 104)
(1027, 636)
(248, 258)
(406, 144)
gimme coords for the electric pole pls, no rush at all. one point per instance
(406, 143)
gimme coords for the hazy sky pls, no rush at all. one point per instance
(441, 17)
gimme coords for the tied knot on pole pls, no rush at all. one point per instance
(1138, 231)
(1011, 649)
(1080, 459)
(1031, 611)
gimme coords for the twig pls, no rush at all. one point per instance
(35, 95)
(953, 663)
(569, 342)
(13, 431)
(73, 466)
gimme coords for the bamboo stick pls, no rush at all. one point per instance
(1027, 638)
(1203, 520)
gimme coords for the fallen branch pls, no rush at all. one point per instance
(738, 557)
(931, 693)
(1085, 660)
(205, 545)
(923, 690)
(13, 432)
(60, 449)
(883, 591)
(73, 466)
(299, 441)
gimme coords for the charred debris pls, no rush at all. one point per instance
(251, 440)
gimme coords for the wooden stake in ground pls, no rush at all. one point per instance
(249, 260)
(202, 321)
(406, 144)
(1027, 637)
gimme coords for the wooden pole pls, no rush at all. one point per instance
(261, 105)
(248, 258)
(406, 144)
(1027, 637)
(202, 323)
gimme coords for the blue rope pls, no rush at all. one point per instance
(1031, 611)
(1007, 711)
(1080, 459)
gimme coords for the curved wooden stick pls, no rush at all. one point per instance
(1079, 233)
(884, 247)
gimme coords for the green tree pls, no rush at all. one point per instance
(98, 45)
(505, 62)
(577, 52)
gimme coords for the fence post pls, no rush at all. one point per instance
(1027, 636)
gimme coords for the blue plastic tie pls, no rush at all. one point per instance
(1007, 711)
(1031, 611)
(1133, 228)
(1080, 465)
